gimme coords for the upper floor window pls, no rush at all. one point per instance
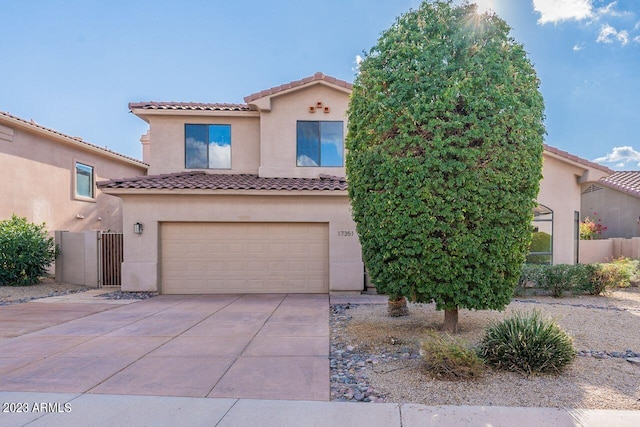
(319, 143)
(84, 180)
(207, 146)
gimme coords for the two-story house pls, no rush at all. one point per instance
(252, 197)
(243, 198)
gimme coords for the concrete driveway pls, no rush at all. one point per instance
(235, 346)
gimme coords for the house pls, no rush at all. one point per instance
(616, 201)
(252, 197)
(558, 212)
(51, 177)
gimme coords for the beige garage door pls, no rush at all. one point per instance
(211, 258)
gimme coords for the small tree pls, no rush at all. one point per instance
(444, 158)
(25, 252)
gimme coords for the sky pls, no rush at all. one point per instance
(74, 65)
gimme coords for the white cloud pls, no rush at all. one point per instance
(305, 161)
(578, 47)
(608, 34)
(219, 156)
(563, 10)
(621, 157)
(636, 39)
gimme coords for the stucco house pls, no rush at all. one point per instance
(252, 197)
(50, 177)
(558, 213)
(616, 201)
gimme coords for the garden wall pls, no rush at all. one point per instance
(77, 263)
(592, 251)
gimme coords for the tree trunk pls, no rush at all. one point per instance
(397, 307)
(451, 320)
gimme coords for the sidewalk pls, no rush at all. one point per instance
(70, 410)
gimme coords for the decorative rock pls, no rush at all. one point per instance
(348, 365)
(117, 295)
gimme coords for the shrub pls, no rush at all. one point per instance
(529, 278)
(558, 278)
(605, 276)
(25, 252)
(450, 359)
(527, 344)
(630, 270)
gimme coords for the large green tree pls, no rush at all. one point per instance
(445, 142)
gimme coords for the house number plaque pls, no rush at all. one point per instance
(346, 233)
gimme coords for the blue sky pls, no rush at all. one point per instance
(75, 65)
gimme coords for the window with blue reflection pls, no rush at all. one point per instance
(207, 146)
(320, 143)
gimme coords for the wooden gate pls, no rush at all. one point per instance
(110, 259)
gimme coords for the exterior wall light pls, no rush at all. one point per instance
(137, 228)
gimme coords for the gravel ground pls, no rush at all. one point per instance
(375, 357)
(47, 288)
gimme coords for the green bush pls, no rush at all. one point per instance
(25, 252)
(559, 278)
(450, 359)
(529, 278)
(527, 344)
(629, 270)
(605, 276)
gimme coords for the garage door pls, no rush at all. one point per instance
(210, 258)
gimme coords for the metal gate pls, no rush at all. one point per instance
(110, 259)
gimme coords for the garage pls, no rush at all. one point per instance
(238, 257)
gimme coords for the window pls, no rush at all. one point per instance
(541, 249)
(319, 144)
(207, 146)
(84, 180)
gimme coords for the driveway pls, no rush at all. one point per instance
(267, 346)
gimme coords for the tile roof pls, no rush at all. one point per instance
(207, 181)
(316, 77)
(192, 106)
(75, 139)
(577, 159)
(625, 181)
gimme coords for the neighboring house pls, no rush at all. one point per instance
(558, 213)
(616, 201)
(252, 197)
(50, 177)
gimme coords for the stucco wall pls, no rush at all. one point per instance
(166, 146)
(619, 212)
(278, 129)
(140, 270)
(560, 192)
(37, 176)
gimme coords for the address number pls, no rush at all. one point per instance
(345, 233)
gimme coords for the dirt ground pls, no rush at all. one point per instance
(597, 324)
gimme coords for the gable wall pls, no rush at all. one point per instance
(278, 130)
